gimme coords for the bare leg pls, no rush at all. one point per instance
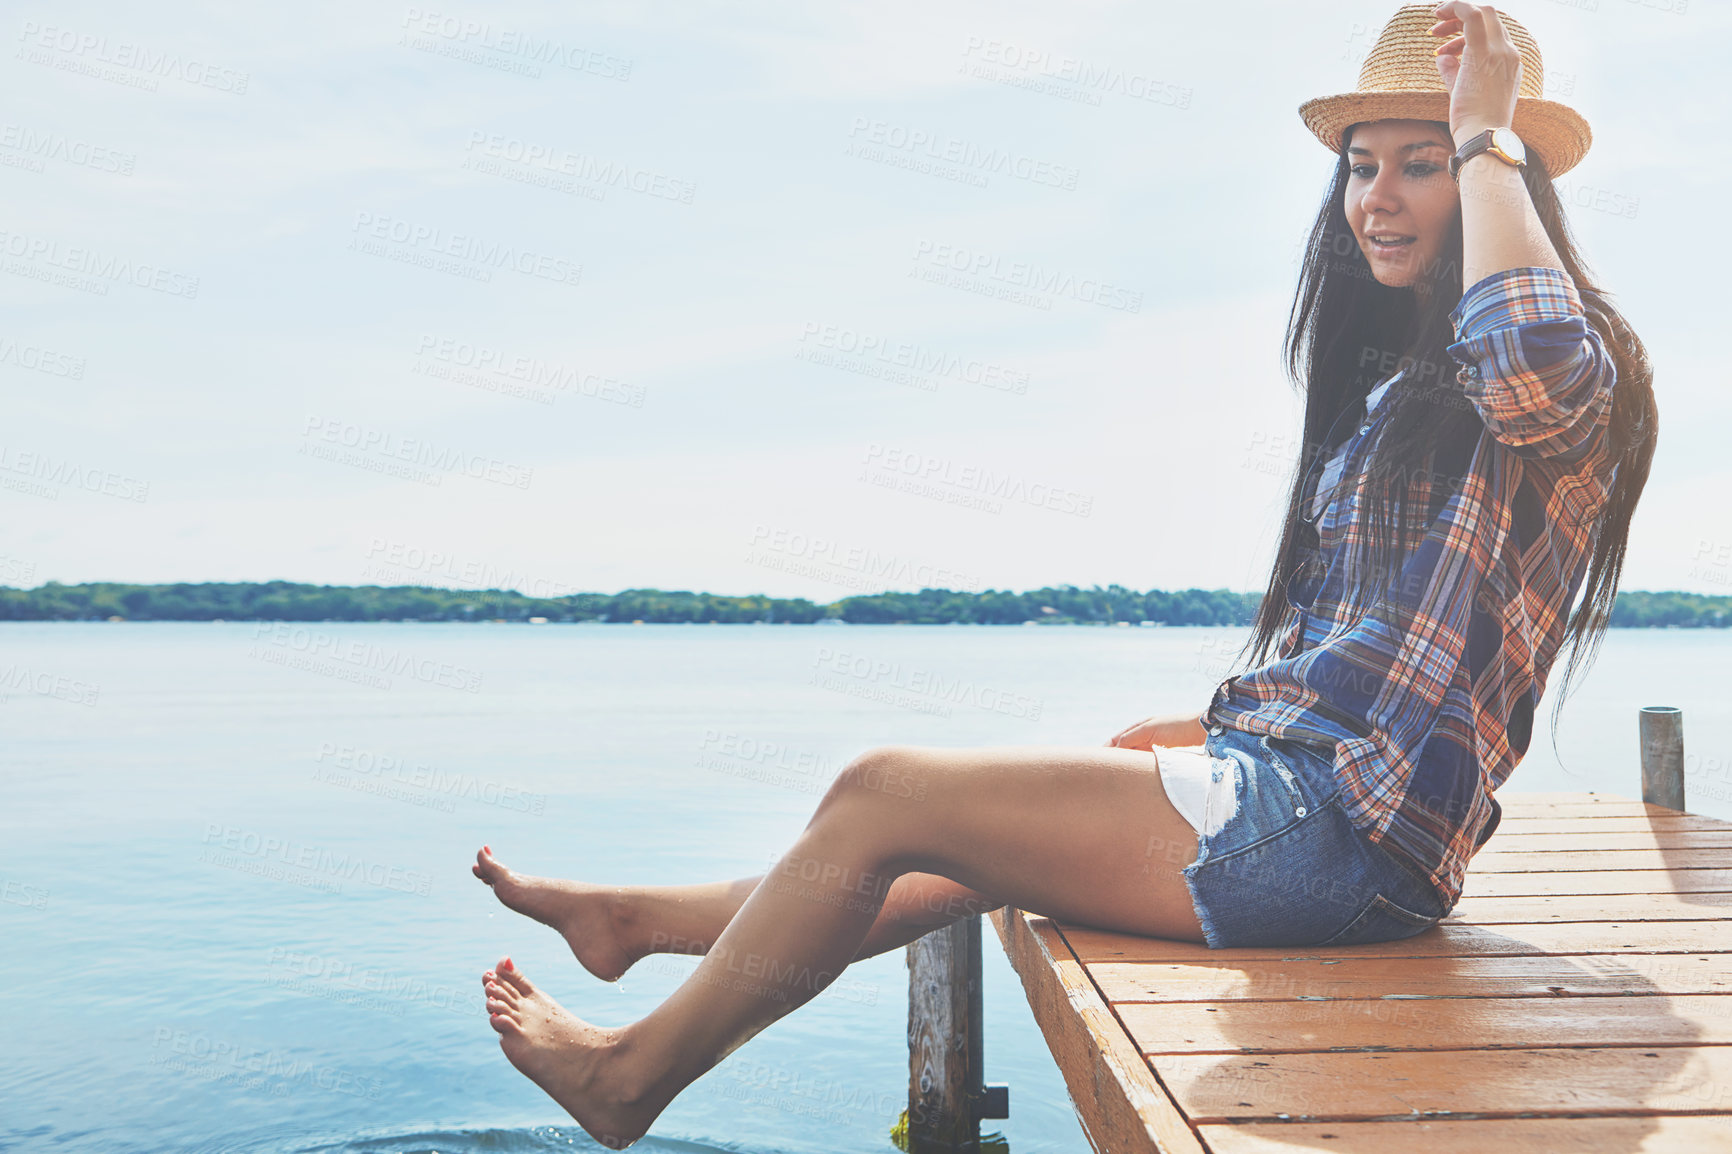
(609, 928)
(1084, 834)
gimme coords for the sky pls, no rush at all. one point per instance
(737, 298)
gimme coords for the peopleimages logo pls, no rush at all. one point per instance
(16, 678)
(886, 679)
(578, 166)
(52, 470)
(79, 260)
(508, 42)
(415, 451)
(909, 146)
(375, 772)
(86, 50)
(230, 846)
(381, 235)
(396, 560)
(919, 359)
(41, 360)
(893, 462)
(279, 642)
(530, 371)
(249, 1067)
(819, 556)
(40, 145)
(1068, 76)
(1023, 275)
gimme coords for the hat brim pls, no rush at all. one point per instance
(1555, 131)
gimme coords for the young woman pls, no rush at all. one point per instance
(1472, 460)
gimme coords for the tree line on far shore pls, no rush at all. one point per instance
(1058, 605)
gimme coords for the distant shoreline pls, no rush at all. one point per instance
(1112, 605)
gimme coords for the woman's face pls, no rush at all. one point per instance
(1398, 185)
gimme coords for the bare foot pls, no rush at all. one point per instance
(591, 918)
(576, 1063)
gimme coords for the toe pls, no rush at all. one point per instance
(512, 976)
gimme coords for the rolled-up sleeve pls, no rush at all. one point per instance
(1537, 371)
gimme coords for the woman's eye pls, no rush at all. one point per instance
(1366, 172)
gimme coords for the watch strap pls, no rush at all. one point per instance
(1472, 147)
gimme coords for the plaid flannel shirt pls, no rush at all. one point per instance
(1428, 694)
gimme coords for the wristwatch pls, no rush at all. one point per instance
(1502, 143)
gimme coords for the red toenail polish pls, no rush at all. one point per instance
(506, 965)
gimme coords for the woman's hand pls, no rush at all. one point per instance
(1481, 68)
(1168, 731)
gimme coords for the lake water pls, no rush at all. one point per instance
(169, 983)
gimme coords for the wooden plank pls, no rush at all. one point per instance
(1654, 1134)
(1608, 824)
(1230, 979)
(1121, 1102)
(1518, 798)
(1489, 860)
(1324, 1087)
(1593, 840)
(1441, 941)
(1582, 809)
(1487, 911)
(1489, 1024)
(1597, 882)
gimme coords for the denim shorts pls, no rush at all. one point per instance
(1288, 868)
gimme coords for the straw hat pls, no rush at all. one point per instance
(1399, 80)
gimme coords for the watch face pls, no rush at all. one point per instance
(1506, 141)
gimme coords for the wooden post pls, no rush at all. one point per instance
(1662, 730)
(946, 1052)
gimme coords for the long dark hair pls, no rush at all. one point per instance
(1339, 336)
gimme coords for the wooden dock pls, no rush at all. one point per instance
(1578, 998)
